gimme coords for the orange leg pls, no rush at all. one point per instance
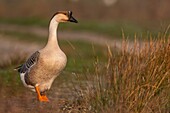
(41, 98)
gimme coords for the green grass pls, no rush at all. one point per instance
(10, 83)
(25, 21)
(112, 29)
(80, 54)
(26, 37)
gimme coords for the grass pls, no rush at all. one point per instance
(112, 29)
(79, 50)
(135, 82)
(79, 57)
(105, 80)
(24, 36)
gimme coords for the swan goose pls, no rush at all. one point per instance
(43, 66)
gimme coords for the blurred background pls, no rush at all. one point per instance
(24, 29)
(102, 10)
(108, 17)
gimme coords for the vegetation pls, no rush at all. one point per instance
(112, 29)
(135, 82)
(98, 79)
(126, 80)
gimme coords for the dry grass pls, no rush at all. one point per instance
(135, 82)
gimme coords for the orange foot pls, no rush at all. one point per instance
(42, 98)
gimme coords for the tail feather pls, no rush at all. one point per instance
(18, 68)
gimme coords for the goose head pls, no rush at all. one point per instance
(64, 16)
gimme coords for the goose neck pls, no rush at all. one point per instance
(52, 38)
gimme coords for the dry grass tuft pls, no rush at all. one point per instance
(135, 82)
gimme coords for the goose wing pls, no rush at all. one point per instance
(32, 60)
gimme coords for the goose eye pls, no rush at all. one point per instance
(65, 14)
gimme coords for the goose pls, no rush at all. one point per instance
(44, 65)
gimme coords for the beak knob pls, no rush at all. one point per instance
(71, 18)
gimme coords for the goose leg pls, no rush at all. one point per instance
(42, 98)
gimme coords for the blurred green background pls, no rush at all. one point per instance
(102, 16)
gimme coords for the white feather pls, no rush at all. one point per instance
(22, 75)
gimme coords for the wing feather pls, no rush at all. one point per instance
(32, 60)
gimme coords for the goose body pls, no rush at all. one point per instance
(43, 66)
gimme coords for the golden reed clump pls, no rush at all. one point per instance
(133, 80)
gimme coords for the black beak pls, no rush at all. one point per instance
(71, 18)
